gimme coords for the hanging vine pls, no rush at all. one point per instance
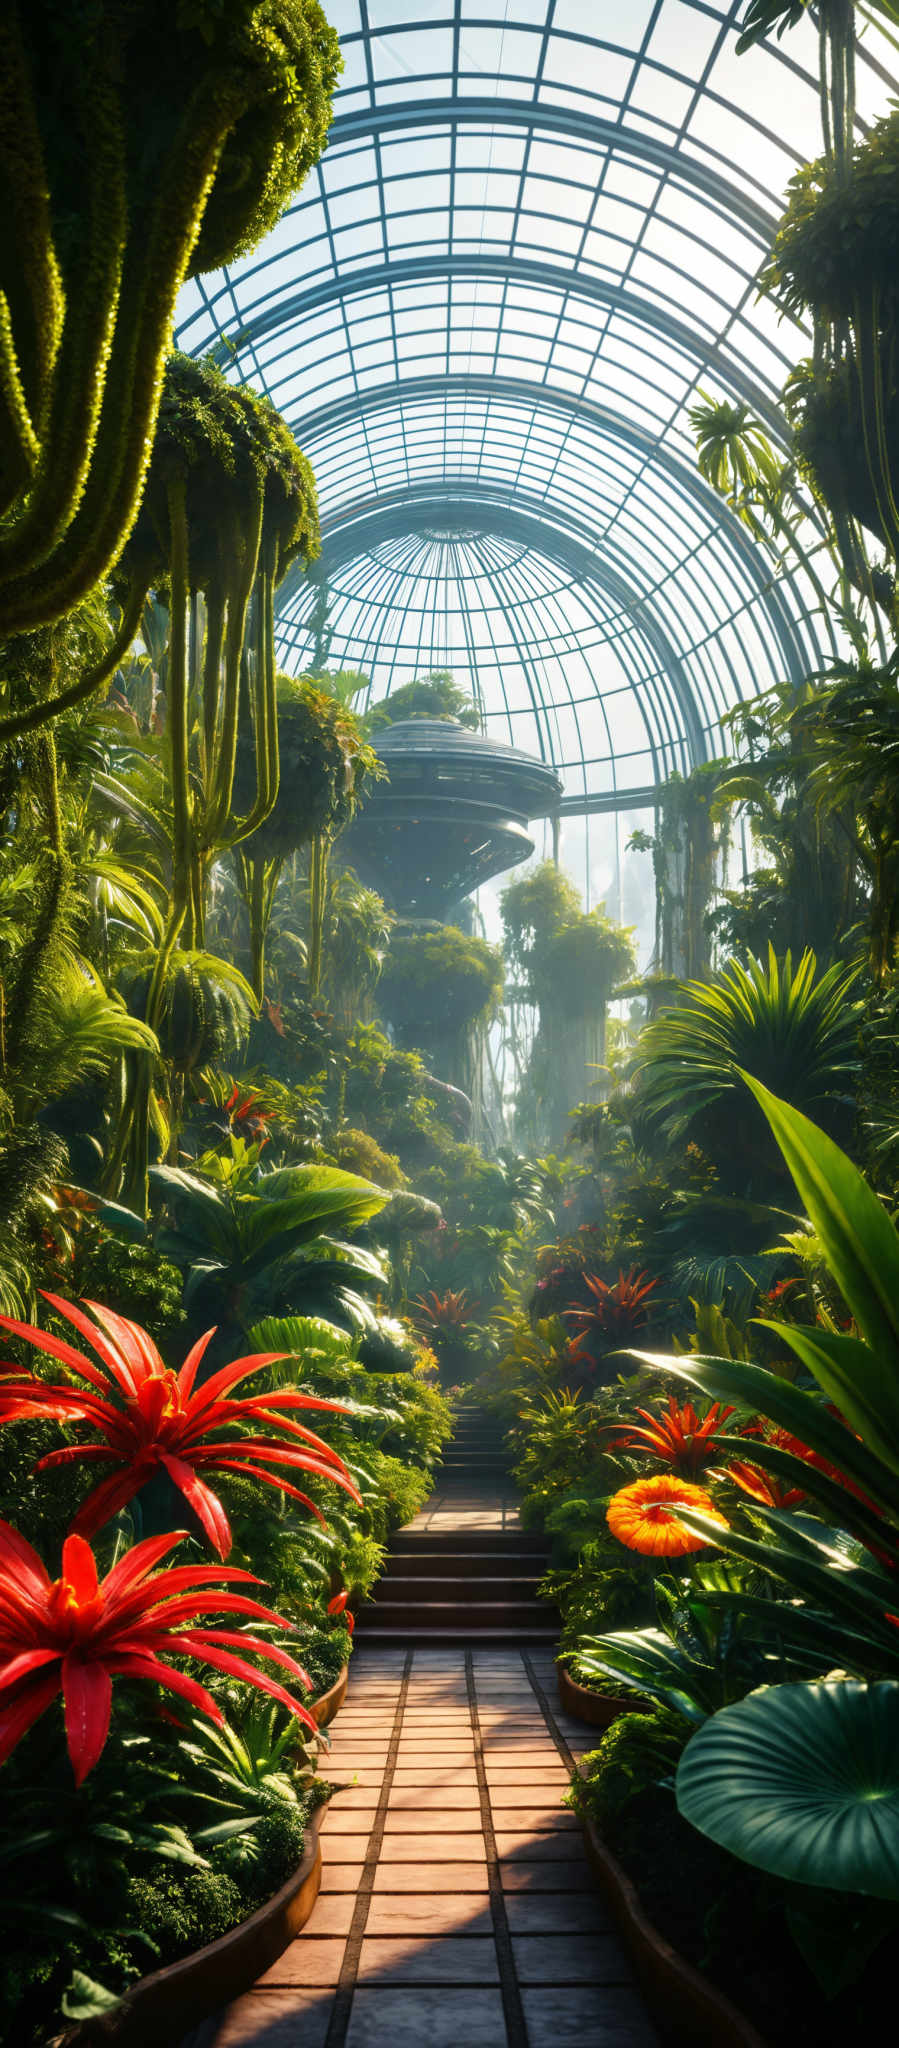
(139, 145)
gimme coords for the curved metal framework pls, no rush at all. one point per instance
(532, 243)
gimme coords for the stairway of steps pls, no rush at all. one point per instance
(464, 1572)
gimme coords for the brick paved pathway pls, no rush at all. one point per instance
(457, 1908)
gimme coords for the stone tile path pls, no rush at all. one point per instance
(457, 1908)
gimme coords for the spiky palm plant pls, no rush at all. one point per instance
(792, 1029)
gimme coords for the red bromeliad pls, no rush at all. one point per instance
(76, 1633)
(617, 1309)
(443, 1312)
(158, 1418)
(765, 1486)
(678, 1439)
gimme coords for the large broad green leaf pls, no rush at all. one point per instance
(203, 1216)
(124, 1222)
(812, 1642)
(803, 1781)
(844, 1508)
(301, 1334)
(338, 1200)
(860, 1242)
(646, 1662)
(803, 1414)
(331, 1186)
(848, 1373)
(815, 1570)
(85, 1999)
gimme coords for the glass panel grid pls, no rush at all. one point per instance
(532, 243)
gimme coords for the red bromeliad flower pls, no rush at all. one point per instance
(246, 1111)
(158, 1418)
(618, 1308)
(765, 1486)
(75, 1634)
(644, 1516)
(678, 1439)
(443, 1313)
(774, 1492)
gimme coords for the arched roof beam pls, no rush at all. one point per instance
(484, 512)
(512, 269)
(689, 482)
(507, 113)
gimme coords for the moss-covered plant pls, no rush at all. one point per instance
(435, 988)
(138, 146)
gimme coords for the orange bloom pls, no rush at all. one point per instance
(644, 1516)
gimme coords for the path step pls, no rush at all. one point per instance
(502, 1542)
(474, 1571)
(468, 1564)
(446, 1638)
(448, 1583)
(457, 1613)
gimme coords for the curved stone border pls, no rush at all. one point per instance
(163, 2006)
(674, 1990)
(596, 1709)
(329, 1703)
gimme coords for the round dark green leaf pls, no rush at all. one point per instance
(803, 1781)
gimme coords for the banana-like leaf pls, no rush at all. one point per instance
(803, 1781)
(803, 1414)
(860, 1241)
(849, 1374)
(644, 1662)
(299, 1334)
(811, 1639)
(85, 1999)
(848, 1512)
(125, 1222)
(816, 1572)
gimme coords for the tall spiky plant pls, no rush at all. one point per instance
(791, 1028)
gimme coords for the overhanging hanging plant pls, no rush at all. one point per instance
(835, 257)
(230, 502)
(138, 145)
(324, 764)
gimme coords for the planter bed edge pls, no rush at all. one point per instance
(165, 2004)
(329, 1703)
(687, 2006)
(595, 1709)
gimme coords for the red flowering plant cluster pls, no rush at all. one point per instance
(614, 1311)
(679, 1438)
(142, 1417)
(76, 1633)
(691, 1445)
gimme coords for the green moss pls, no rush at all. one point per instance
(430, 696)
(184, 1909)
(436, 984)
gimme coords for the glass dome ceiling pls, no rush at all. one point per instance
(531, 245)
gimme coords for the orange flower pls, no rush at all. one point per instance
(644, 1516)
